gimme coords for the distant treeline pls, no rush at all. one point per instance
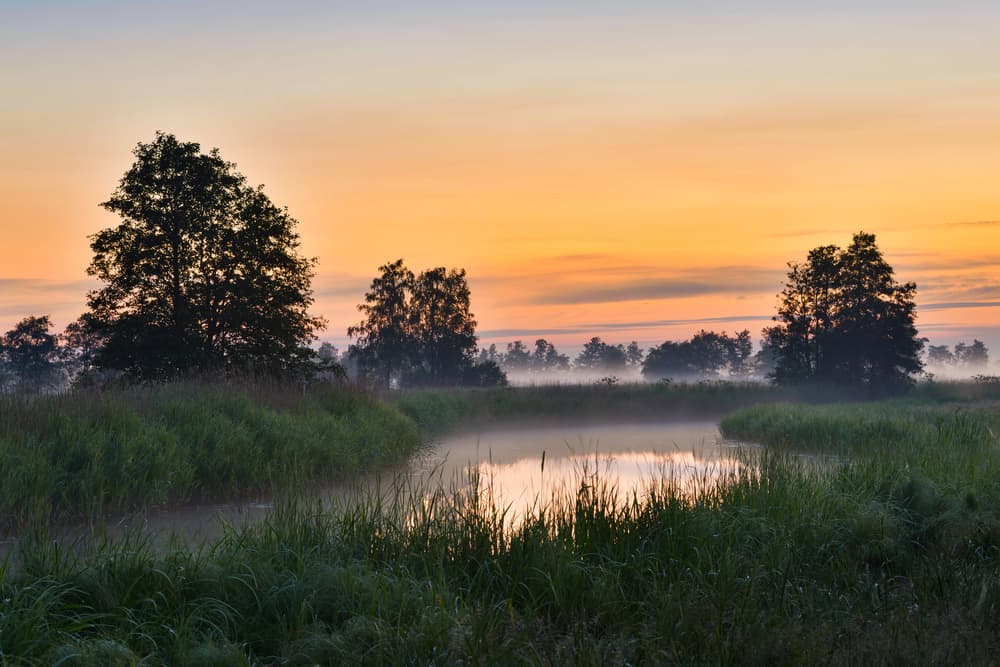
(706, 355)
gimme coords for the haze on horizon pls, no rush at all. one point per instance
(635, 174)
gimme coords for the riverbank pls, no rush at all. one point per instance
(887, 553)
(85, 455)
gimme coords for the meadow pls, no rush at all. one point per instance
(853, 533)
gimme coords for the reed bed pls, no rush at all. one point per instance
(859, 534)
(83, 455)
(886, 554)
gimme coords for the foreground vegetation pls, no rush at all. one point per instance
(87, 454)
(881, 546)
(84, 455)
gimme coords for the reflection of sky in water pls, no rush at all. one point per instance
(628, 457)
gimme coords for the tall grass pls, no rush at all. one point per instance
(874, 556)
(85, 454)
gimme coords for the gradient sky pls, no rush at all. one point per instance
(634, 170)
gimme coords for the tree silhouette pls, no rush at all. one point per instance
(843, 318)
(202, 272)
(601, 356)
(517, 358)
(420, 330)
(443, 326)
(546, 358)
(634, 354)
(940, 355)
(385, 344)
(706, 355)
(976, 355)
(30, 352)
(739, 353)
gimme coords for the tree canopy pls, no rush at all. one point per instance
(202, 273)
(419, 329)
(600, 356)
(843, 318)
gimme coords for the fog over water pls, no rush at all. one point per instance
(519, 468)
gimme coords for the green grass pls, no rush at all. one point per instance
(884, 552)
(83, 455)
(862, 534)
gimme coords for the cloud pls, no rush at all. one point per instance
(338, 285)
(590, 327)
(13, 287)
(607, 285)
(889, 228)
(953, 305)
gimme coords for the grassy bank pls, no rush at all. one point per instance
(881, 554)
(84, 454)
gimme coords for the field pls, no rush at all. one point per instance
(860, 534)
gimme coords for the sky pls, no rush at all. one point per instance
(630, 170)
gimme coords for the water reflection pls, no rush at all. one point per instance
(520, 469)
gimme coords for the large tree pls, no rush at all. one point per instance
(202, 273)
(843, 318)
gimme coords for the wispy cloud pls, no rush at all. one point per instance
(608, 285)
(590, 327)
(953, 305)
(340, 285)
(15, 287)
(889, 228)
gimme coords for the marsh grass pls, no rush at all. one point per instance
(83, 455)
(886, 554)
(87, 455)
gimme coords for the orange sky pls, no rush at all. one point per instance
(632, 174)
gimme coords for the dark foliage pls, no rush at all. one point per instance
(202, 273)
(384, 341)
(30, 359)
(974, 356)
(443, 327)
(706, 355)
(844, 319)
(420, 330)
(601, 356)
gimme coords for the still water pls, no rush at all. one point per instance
(520, 468)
